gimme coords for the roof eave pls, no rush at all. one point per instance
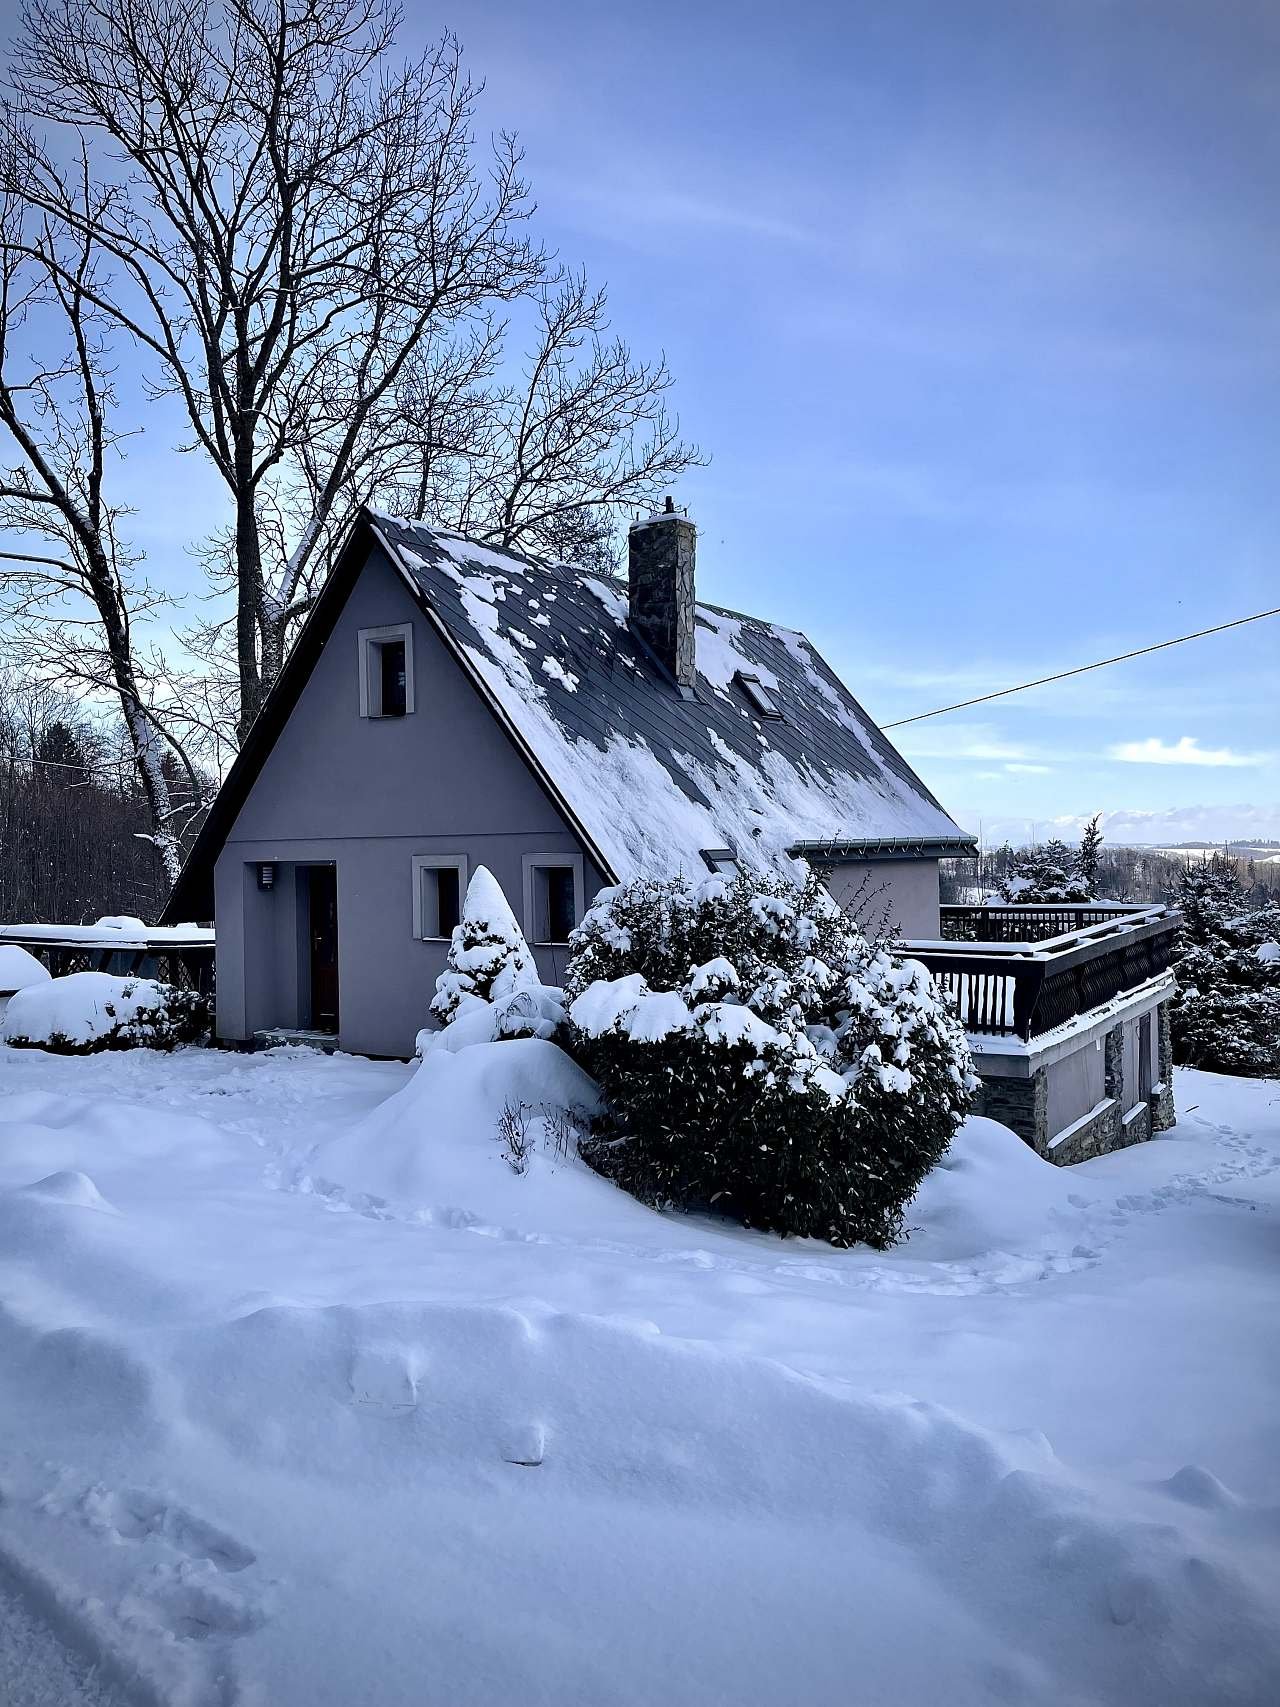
(854, 850)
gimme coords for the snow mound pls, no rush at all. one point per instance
(18, 969)
(992, 1192)
(71, 1187)
(482, 1135)
(726, 1458)
(121, 922)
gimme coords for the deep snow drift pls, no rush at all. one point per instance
(310, 1395)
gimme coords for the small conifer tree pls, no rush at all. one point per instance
(488, 954)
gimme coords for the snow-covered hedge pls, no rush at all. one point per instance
(88, 1011)
(758, 1055)
(1226, 1014)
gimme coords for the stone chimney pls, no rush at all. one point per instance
(660, 552)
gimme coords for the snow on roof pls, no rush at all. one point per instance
(651, 777)
(120, 932)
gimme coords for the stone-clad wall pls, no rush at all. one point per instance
(1023, 1103)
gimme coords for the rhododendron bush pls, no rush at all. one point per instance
(760, 1057)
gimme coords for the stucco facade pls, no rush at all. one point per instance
(905, 891)
(367, 795)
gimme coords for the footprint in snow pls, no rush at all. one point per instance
(130, 1514)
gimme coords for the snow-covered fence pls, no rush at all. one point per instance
(176, 954)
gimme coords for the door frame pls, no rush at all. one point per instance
(307, 1018)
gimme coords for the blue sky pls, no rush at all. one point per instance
(977, 309)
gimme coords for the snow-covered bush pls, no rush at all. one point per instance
(1226, 1014)
(534, 1010)
(490, 988)
(88, 1011)
(759, 1056)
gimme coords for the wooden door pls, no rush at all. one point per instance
(323, 910)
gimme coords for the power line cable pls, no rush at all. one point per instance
(1082, 669)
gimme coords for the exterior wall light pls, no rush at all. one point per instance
(267, 876)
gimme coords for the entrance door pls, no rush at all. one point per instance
(322, 884)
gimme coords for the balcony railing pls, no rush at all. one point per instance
(1013, 972)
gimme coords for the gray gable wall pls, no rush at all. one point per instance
(367, 795)
(449, 765)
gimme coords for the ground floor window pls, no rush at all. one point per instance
(553, 897)
(439, 884)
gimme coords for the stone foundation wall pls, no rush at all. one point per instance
(1094, 1138)
(1022, 1104)
(1163, 1113)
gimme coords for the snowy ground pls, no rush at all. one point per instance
(294, 1420)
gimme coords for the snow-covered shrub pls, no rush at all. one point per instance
(488, 956)
(490, 988)
(88, 1011)
(759, 1056)
(1226, 1014)
(534, 1010)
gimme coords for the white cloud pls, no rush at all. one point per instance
(1029, 770)
(1187, 751)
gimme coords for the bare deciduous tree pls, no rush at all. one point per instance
(291, 221)
(552, 460)
(70, 592)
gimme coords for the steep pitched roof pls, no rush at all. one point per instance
(650, 780)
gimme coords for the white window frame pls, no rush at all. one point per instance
(423, 863)
(535, 862)
(370, 678)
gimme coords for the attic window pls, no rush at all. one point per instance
(759, 695)
(386, 671)
(723, 861)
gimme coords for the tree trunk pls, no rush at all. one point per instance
(248, 605)
(143, 735)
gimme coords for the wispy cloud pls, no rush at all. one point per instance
(622, 208)
(958, 741)
(1029, 770)
(1187, 751)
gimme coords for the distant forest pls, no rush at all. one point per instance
(1124, 874)
(75, 840)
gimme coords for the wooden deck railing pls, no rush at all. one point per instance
(1029, 984)
(175, 955)
(1007, 921)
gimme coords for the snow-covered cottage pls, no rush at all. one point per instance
(449, 705)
